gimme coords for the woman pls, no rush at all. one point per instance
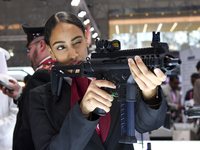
(68, 122)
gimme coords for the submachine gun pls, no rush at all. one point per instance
(110, 63)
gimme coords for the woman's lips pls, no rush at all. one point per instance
(75, 62)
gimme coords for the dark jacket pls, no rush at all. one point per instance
(22, 138)
(57, 127)
(188, 94)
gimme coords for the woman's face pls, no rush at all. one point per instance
(68, 43)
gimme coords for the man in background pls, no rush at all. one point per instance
(8, 110)
(41, 62)
(173, 97)
(190, 93)
(197, 87)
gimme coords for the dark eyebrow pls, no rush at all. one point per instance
(58, 42)
(76, 38)
(64, 41)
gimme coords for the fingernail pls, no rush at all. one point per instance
(156, 71)
(130, 60)
(137, 58)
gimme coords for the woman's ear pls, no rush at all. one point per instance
(51, 52)
(86, 37)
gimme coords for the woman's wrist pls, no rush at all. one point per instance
(148, 95)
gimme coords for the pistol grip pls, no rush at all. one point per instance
(99, 112)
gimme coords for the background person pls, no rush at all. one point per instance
(197, 87)
(41, 63)
(190, 93)
(68, 121)
(8, 110)
(173, 97)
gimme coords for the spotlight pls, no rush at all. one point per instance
(75, 2)
(91, 29)
(86, 21)
(94, 35)
(82, 14)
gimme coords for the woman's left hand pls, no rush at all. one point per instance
(146, 79)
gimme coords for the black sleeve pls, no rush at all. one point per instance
(75, 132)
(147, 118)
(22, 138)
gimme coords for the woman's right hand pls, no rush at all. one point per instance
(96, 97)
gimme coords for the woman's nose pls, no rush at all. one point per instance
(73, 55)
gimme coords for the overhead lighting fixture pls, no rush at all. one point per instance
(94, 35)
(117, 29)
(86, 21)
(82, 14)
(2, 27)
(173, 27)
(131, 29)
(145, 28)
(187, 27)
(159, 27)
(91, 29)
(75, 2)
(154, 20)
(14, 26)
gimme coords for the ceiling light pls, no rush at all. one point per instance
(187, 27)
(94, 35)
(173, 27)
(75, 2)
(117, 29)
(145, 28)
(91, 29)
(86, 21)
(14, 26)
(2, 27)
(154, 20)
(82, 14)
(159, 27)
(131, 29)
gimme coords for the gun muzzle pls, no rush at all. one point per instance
(172, 62)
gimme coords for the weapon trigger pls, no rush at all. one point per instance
(114, 95)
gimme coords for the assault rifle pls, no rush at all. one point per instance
(110, 63)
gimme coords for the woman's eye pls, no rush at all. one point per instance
(60, 47)
(77, 43)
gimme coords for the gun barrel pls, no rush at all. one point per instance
(173, 62)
